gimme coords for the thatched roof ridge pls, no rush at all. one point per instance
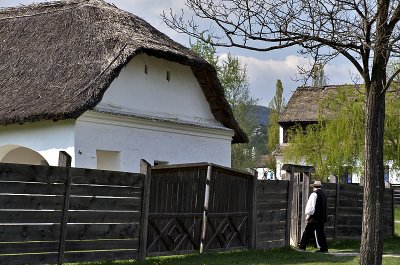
(58, 59)
(303, 106)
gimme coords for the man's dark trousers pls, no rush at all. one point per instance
(309, 233)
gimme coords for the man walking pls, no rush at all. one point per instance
(316, 211)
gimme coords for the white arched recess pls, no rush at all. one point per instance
(21, 155)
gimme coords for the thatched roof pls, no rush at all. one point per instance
(304, 104)
(58, 59)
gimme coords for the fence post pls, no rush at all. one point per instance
(335, 222)
(64, 160)
(145, 168)
(304, 199)
(289, 210)
(393, 221)
(253, 211)
(205, 209)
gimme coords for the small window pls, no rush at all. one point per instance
(168, 76)
(146, 71)
(108, 160)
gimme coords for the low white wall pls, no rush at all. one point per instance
(137, 139)
(45, 137)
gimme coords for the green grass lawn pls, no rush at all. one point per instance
(397, 213)
(276, 256)
(252, 257)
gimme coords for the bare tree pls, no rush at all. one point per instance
(366, 32)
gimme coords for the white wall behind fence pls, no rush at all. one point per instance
(45, 137)
(137, 139)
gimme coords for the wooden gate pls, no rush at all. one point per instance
(176, 209)
(299, 179)
(294, 217)
(199, 207)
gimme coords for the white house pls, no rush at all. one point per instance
(109, 89)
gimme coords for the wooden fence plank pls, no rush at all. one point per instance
(103, 244)
(104, 190)
(32, 173)
(16, 233)
(103, 217)
(110, 203)
(31, 216)
(104, 231)
(32, 259)
(16, 187)
(101, 255)
(31, 202)
(102, 177)
(28, 247)
(272, 196)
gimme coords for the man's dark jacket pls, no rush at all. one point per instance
(320, 215)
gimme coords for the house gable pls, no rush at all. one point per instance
(151, 87)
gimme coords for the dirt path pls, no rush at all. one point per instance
(344, 254)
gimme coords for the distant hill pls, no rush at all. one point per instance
(261, 113)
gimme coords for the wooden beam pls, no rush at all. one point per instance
(145, 168)
(64, 159)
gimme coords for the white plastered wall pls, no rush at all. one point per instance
(45, 137)
(137, 92)
(137, 139)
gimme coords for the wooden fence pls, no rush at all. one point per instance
(199, 207)
(273, 220)
(345, 209)
(396, 194)
(60, 214)
(273, 216)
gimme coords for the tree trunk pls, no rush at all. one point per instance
(372, 230)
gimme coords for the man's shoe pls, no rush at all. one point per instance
(322, 251)
(300, 248)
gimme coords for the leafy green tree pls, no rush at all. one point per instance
(337, 140)
(276, 107)
(234, 80)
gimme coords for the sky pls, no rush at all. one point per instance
(263, 68)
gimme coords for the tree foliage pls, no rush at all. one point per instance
(234, 80)
(276, 106)
(336, 142)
